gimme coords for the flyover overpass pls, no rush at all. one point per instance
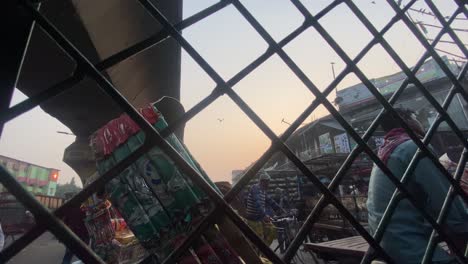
(100, 29)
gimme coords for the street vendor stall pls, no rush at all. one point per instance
(159, 203)
(110, 236)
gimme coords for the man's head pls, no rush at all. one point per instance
(264, 180)
(388, 122)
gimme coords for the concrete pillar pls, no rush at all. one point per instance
(80, 158)
(100, 29)
(114, 25)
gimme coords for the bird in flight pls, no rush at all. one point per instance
(220, 119)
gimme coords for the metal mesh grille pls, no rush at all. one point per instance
(224, 87)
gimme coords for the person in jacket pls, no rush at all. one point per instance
(407, 234)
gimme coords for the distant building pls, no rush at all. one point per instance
(34, 178)
(360, 108)
(324, 144)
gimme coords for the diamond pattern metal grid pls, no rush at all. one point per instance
(224, 87)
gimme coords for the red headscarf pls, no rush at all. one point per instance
(393, 139)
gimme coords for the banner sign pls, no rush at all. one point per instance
(342, 143)
(325, 143)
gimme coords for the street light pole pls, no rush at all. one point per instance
(65, 133)
(333, 69)
(334, 76)
(283, 121)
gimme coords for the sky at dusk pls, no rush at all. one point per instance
(222, 138)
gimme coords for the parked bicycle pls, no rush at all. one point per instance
(287, 226)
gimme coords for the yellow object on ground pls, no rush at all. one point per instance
(266, 261)
(266, 231)
(125, 237)
(238, 241)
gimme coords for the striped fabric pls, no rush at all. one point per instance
(258, 203)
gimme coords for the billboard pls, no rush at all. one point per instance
(325, 143)
(342, 143)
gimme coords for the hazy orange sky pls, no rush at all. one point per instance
(229, 44)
